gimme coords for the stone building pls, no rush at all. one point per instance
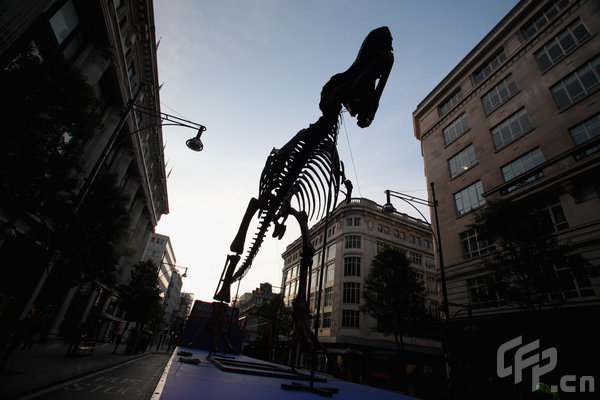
(519, 118)
(356, 232)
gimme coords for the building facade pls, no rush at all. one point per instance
(160, 251)
(249, 301)
(113, 45)
(356, 232)
(519, 118)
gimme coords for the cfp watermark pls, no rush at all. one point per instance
(540, 362)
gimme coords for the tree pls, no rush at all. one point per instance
(529, 266)
(140, 297)
(274, 310)
(93, 240)
(393, 295)
(280, 316)
(53, 115)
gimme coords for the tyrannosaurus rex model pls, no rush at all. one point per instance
(303, 178)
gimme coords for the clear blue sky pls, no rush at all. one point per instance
(252, 72)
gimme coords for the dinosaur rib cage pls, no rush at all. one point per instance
(306, 169)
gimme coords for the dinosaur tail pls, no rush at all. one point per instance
(263, 227)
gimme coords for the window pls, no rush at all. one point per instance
(350, 319)
(416, 258)
(588, 129)
(489, 66)
(131, 70)
(462, 161)
(565, 42)
(469, 198)
(331, 251)
(480, 293)
(414, 239)
(317, 258)
(429, 262)
(450, 102)
(553, 209)
(314, 278)
(351, 293)
(574, 282)
(64, 21)
(430, 284)
(329, 273)
(577, 85)
(351, 266)
(353, 221)
(542, 18)
(523, 164)
(499, 94)
(511, 128)
(288, 293)
(327, 296)
(472, 246)
(455, 129)
(352, 242)
(428, 244)
(326, 320)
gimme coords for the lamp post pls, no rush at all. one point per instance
(389, 208)
(184, 275)
(193, 144)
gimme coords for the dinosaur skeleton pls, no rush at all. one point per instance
(307, 171)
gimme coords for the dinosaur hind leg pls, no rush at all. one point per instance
(300, 310)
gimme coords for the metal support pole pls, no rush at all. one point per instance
(445, 306)
(440, 254)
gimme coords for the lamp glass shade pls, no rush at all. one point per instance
(388, 208)
(194, 144)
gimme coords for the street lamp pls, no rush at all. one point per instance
(388, 208)
(184, 275)
(164, 119)
(194, 143)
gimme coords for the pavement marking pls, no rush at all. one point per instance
(75, 380)
(163, 379)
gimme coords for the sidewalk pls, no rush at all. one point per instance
(46, 365)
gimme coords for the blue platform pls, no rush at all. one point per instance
(184, 381)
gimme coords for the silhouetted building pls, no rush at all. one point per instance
(259, 296)
(113, 45)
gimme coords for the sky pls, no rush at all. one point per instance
(252, 71)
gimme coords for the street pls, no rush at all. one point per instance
(133, 380)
